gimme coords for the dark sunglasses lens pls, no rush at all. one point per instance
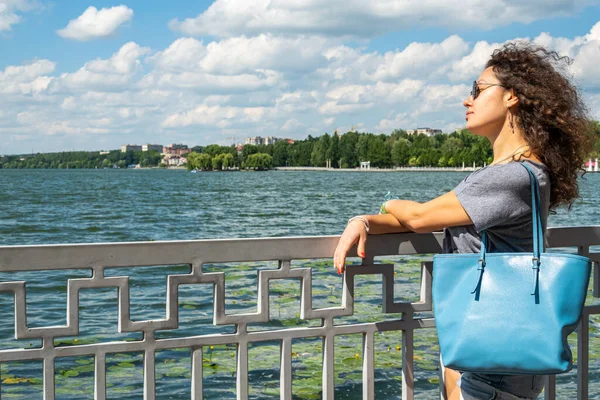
(475, 90)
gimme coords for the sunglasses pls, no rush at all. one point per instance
(476, 90)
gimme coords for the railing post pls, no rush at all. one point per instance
(408, 383)
(48, 376)
(242, 367)
(583, 349)
(149, 368)
(285, 371)
(197, 373)
(368, 379)
(328, 362)
(100, 376)
(550, 388)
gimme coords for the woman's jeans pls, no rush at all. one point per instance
(474, 386)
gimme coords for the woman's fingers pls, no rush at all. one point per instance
(353, 234)
(362, 242)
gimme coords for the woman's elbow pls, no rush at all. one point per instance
(418, 224)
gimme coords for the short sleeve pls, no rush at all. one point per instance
(495, 196)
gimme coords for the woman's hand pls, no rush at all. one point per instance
(355, 232)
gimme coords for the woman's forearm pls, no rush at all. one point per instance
(397, 219)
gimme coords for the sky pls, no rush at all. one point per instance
(81, 75)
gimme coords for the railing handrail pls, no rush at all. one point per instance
(196, 253)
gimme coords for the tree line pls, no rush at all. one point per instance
(397, 149)
(349, 149)
(82, 159)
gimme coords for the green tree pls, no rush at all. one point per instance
(228, 161)
(280, 153)
(333, 152)
(300, 153)
(205, 162)
(347, 148)
(217, 162)
(362, 147)
(401, 151)
(193, 161)
(317, 157)
(259, 161)
(247, 150)
(451, 146)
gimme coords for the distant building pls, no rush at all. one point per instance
(260, 141)
(177, 146)
(152, 147)
(272, 140)
(130, 147)
(255, 141)
(424, 131)
(103, 152)
(176, 149)
(172, 160)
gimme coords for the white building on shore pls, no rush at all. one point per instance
(424, 131)
(152, 147)
(130, 147)
(260, 141)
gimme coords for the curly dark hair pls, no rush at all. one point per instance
(550, 111)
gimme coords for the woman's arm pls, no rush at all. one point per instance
(402, 216)
(439, 213)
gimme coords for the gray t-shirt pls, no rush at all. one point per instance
(498, 200)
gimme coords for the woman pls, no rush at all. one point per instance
(525, 105)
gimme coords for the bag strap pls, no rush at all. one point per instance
(536, 218)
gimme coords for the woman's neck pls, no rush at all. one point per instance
(508, 143)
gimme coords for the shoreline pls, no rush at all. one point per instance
(398, 169)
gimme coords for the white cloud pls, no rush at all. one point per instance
(401, 119)
(112, 73)
(221, 117)
(210, 84)
(291, 125)
(234, 65)
(585, 54)
(298, 101)
(94, 23)
(363, 18)
(199, 91)
(420, 59)
(10, 11)
(239, 55)
(26, 79)
(334, 108)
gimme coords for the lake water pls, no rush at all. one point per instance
(80, 206)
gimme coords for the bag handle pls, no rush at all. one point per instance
(538, 233)
(536, 218)
(538, 238)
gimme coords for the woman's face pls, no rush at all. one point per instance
(487, 113)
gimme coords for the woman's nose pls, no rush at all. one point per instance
(468, 101)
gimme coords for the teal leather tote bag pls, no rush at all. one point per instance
(509, 313)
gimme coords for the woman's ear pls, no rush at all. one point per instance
(511, 99)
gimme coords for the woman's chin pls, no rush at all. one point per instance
(474, 128)
(471, 126)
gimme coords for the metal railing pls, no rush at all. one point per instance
(99, 257)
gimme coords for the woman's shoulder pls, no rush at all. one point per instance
(511, 174)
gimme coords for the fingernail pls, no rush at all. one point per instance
(362, 254)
